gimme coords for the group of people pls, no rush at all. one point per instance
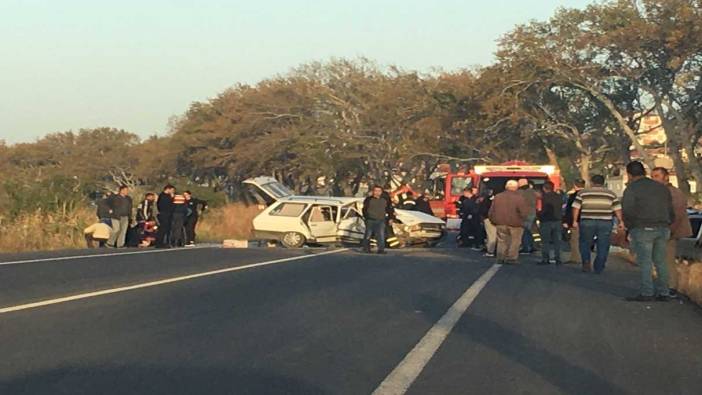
(167, 220)
(652, 215)
(478, 231)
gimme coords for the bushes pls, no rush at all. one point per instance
(45, 230)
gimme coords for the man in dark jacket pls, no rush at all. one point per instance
(409, 203)
(531, 197)
(484, 204)
(647, 208)
(468, 210)
(104, 211)
(550, 217)
(422, 204)
(194, 206)
(165, 216)
(146, 210)
(377, 209)
(121, 205)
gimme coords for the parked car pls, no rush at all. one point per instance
(298, 220)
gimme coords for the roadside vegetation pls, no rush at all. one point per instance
(572, 91)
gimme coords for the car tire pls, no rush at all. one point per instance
(292, 240)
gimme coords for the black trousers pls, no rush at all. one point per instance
(163, 234)
(178, 230)
(190, 228)
(471, 232)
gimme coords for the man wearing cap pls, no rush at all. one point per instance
(530, 197)
(508, 213)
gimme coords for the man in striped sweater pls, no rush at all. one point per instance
(596, 207)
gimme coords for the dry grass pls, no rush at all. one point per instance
(45, 231)
(233, 221)
(689, 275)
(41, 231)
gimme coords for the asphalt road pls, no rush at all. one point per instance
(337, 322)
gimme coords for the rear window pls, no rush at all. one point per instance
(277, 189)
(289, 209)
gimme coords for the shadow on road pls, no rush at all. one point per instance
(553, 368)
(609, 283)
(154, 380)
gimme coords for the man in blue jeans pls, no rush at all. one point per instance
(377, 209)
(596, 207)
(648, 213)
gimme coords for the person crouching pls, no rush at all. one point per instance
(99, 233)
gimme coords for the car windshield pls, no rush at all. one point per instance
(458, 184)
(497, 184)
(277, 190)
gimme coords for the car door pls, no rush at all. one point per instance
(351, 225)
(322, 223)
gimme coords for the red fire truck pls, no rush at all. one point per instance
(449, 186)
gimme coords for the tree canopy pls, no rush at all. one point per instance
(572, 90)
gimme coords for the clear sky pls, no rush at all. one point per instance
(71, 64)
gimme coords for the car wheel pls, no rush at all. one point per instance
(292, 240)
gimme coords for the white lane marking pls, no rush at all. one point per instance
(71, 298)
(67, 258)
(402, 377)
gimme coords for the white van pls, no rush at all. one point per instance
(298, 220)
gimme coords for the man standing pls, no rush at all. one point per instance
(508, 212)
(490, 229)
(409, 203)
(165, 216)
(121, 205)
(178, 216)
(377, 208)
(568, 221)
(530, 197)
(104, 211)
(595, 207)
(551, 216)
(146, 210)
(680, 227)
(648, 214)
(471, 230)
(194, 207)
(422, 204)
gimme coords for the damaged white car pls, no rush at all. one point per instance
(298, 220)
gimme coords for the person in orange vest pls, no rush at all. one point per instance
(180, 212)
